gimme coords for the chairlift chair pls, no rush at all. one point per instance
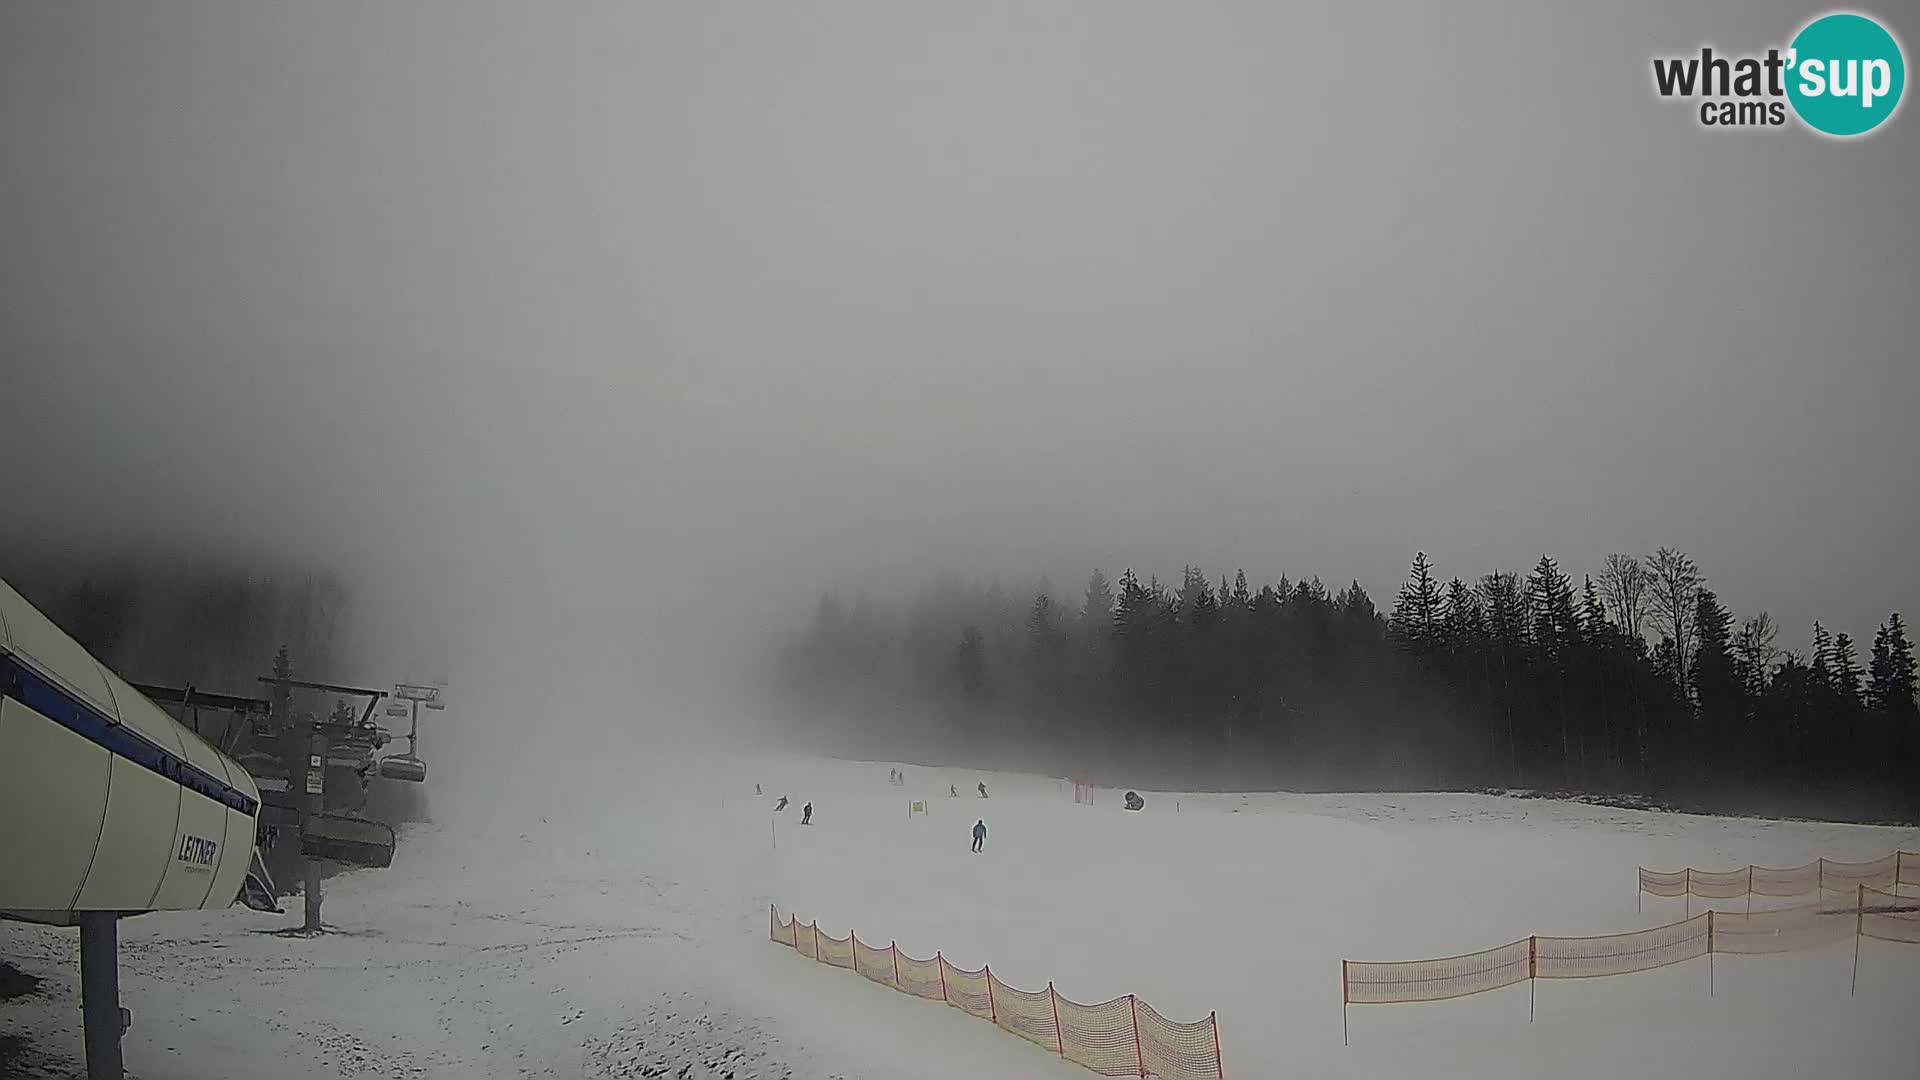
(403, 767)
(342, 838)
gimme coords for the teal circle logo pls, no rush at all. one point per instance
(1846, 74)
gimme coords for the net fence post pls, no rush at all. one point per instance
(1346, 999)
(1139, 1058)
(816, 941)
(1219, 1066)
(895, 947)
(1820, 873)
(1859, 918)
(942, 962)
(794, 931)
(853, 942)
(993, 1011)
(1709, 952)
(1053, 999)
(1689, 892)
(1749, 888)
(1533, 970)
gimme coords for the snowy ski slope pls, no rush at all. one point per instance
(1247, 903)
(607, 917)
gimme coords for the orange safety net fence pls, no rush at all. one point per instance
(1887, 917)
(1820, 875)
(1620, 954)
(1807, 926)
(1368, 983)
(1121, 1037)
(1869, 913)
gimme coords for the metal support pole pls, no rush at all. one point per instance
(1709, 952)
(1219, 1065)
(1346, 996)
(316, 777)
(100, 993)
(1859, 920)
(1533, 971)
(1139, 1056)
(1053, 999)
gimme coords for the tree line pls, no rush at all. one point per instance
(1634, 681)
(176, 621)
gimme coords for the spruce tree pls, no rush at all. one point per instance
(1718, 691)
(1821, 666)
(1415, 622)
(1844, 675)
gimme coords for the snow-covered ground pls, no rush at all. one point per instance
(602, 917)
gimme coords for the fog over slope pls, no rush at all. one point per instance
(607, 339)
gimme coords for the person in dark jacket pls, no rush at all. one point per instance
(781, 805)
(983, 789)
(806, 814)
(979, 834)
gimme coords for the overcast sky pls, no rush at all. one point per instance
(619, 310)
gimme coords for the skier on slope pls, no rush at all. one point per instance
(979, 834)
(952, 792)
(806, 814)
(756, 789)
(983, 789)
(782, 805)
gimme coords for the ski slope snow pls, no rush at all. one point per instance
(595, 916)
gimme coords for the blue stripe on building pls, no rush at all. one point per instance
(43, 696)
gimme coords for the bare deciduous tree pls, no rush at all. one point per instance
(1623, 591)
(1673, 579)
(1755, 647)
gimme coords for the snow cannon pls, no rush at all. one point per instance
(112, 805)
(1135, 802)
